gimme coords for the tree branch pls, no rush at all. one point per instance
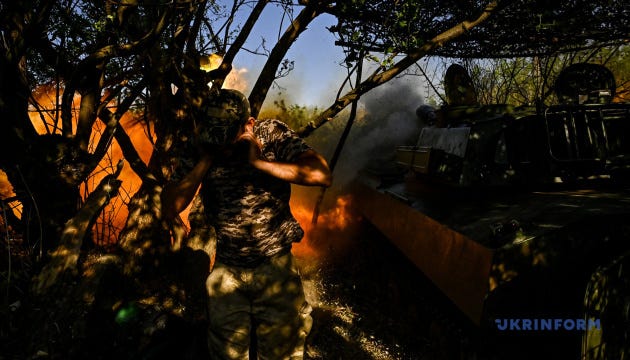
(228, 58)
(64, 258)
(268, 73)
(109, 51)
(194, 29)
(90, 98)
(111, 121)
(94, 59)
(131, 155)
(378, 79)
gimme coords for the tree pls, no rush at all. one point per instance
(106, 60)
(530, 80)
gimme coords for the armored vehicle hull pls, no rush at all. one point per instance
(520, 217)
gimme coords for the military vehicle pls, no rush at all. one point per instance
(519, 215)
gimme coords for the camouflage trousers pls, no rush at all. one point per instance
(267, 300)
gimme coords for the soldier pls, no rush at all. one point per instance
(245, 170)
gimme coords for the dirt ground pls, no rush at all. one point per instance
(371, 303)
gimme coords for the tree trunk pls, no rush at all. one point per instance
(64, 299)
(380, 78)
(268, 73)
(65, 258)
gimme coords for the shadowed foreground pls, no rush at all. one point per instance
(369, 302)
(374, 304)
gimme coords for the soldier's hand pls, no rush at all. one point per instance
(251, 146)
(211, 150)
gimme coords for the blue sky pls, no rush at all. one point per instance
(317, 72)
(315, 81)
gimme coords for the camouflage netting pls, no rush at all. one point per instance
(515, 28)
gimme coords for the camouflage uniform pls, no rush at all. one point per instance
(249, 209)
(254, 284)
(268, 298)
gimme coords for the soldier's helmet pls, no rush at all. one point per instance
(222, 115)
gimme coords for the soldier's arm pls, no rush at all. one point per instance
(176, 196)
(310, 168)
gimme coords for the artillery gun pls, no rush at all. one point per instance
(519, 214)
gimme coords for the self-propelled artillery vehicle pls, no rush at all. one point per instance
(519, 215)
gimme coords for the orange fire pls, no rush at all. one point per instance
(46, 120)
(6, 192)
(234, 80)
(113, 217)
(329, 237)
(336, 223)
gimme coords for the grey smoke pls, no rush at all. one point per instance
(389, 120)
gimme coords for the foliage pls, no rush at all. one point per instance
(527, 81)
(293, 115)
(80, 67)
(522, 80)
(517, 28)
(297, 116)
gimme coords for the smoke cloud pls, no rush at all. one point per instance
(386, 119)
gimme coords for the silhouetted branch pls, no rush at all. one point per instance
(380, 78)
(268, 73)
(64, 258)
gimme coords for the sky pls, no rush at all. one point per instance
(316, 57)
(317, 75)
(389, 109)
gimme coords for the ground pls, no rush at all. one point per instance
(369, 302)
(374, 304)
